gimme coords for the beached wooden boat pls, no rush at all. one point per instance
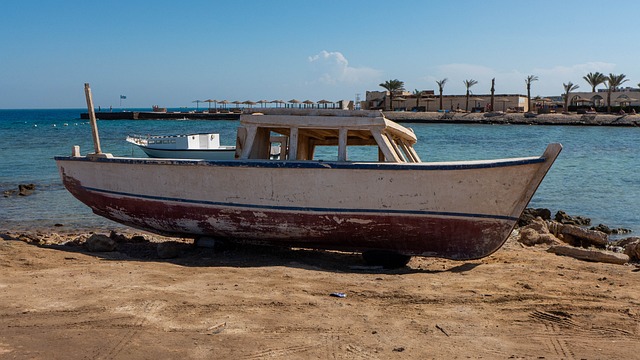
(188, 146)
(394, 202)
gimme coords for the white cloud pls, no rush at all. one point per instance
(333, 68)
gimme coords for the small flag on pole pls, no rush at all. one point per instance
(123, 97)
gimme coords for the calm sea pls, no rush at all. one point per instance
(596, 175)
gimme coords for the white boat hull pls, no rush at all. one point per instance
(456, 210)
(204, 154)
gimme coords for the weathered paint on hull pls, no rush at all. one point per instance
(452, 210)
(453, 237)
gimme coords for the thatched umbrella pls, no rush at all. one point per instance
(477, 100)
(249, 102)
(325, 102)
(262, 102)
(210, 101)
(428, 100)
(504, 102)
(625, 99)
(308, 102)
(399, 99)
(294, 101)
(277, 102)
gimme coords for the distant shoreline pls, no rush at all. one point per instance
(515, 118)
(433, 117)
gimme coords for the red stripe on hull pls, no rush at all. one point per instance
(456, 238)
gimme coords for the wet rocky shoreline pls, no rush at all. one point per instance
(498, 117)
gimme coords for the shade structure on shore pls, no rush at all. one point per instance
(399, 99)
(504, 102)
(295, 101)
(325, 102)
(249, 102)
(428, 100)
(477, 101)
(237, 103)
(578, 100)
(223, 102)
(211, 101)
(197, 103)
(262, 102)
(308, 103)
(277, 102)
(624, 100)
(542, 100)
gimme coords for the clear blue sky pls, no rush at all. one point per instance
(170, 53)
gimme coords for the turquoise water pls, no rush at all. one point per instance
(595, 175)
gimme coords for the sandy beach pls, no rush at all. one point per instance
(60, 301)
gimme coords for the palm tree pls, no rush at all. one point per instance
(594, 79)
(528, 81)
(418, 94)
(469, 84)
(441, 88)
(568, 88)
(393, 86)
(493, 91)
(612, 82)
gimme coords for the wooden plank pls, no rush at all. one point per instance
(394, 146)
(261, 147)
(385, 146)
(342, 144)
(248, 141)
(92, 119)
(410, 151)
(293, 144)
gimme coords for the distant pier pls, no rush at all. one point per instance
(152, 115)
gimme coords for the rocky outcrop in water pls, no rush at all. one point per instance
(23, 190)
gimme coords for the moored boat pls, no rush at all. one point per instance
(188, 146)
(395, 202)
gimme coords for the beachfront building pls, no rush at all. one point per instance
(429, 101)
(622, 97)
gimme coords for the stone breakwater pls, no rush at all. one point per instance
(515, 118)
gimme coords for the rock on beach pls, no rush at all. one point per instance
(100, 243)
(565, 238)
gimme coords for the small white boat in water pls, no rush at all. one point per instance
(393, 202)
(190, 146)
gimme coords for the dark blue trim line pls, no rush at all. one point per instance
(310, 164)
(194, 150)
(304, 209)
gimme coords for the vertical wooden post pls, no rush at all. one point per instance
(293, 144)
(92, 119)
(342, 144)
